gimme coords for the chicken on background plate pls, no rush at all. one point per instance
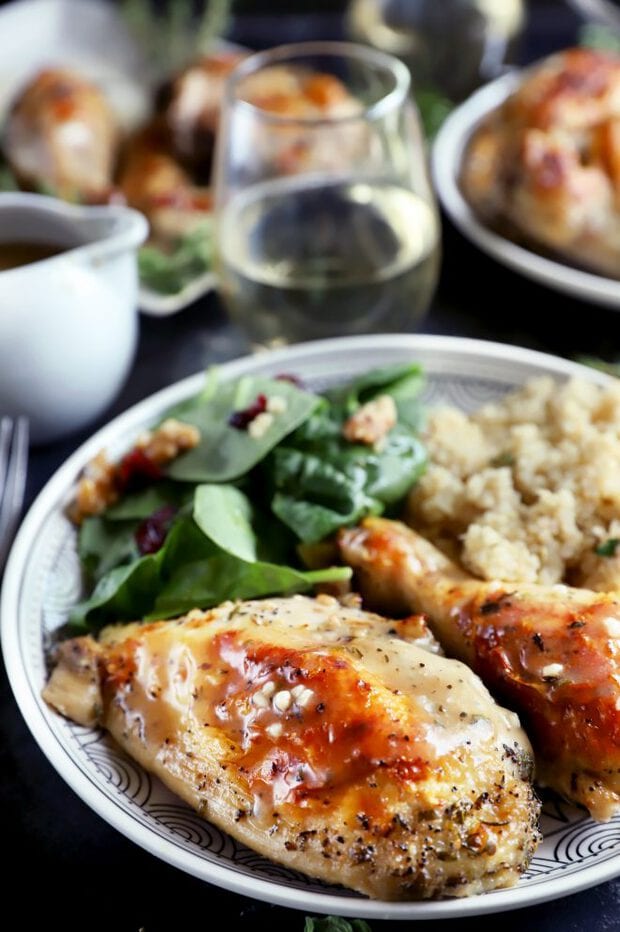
(545, 166)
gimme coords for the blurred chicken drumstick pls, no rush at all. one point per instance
(61, 137)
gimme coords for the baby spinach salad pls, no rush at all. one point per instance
(277, 471)
(168, 270)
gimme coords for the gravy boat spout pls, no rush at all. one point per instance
(99, 231)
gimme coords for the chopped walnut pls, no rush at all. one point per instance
(371, 422)
(169, 440)
(102, 482)
(96, 489)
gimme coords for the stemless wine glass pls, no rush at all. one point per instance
(326, 223)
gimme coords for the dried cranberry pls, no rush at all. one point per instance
(293, 379)
(241, 419)
(151, 533)
(136, 470)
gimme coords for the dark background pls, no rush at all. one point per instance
(64, 868)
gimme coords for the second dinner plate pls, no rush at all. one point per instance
(447, 157)
(94, 40)
(43, 581)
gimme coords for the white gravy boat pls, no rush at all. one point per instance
(69, 323)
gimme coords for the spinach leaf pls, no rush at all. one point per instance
(224, 452)
(322, 482)
(223, 513)
(314, 497)
(103, 545)
(335, 924)
(391, 471)
(126, 592)
(196, 570)
(169, 272)
(403, 381)
(209, 582)
(142, 504)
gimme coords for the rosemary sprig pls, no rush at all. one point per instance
(172, 36)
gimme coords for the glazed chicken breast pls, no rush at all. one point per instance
(61, 137)
(326, 738)
(550, 652)
(546, 164)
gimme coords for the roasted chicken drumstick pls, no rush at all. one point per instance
(326, 738)
(550, 652)
(61, 137)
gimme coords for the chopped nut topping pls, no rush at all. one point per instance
(275, 730)
(612, 627)
(260, 425)
(552, 670)
(306, 698)
(96, 489)
(260, 700)
(371, 422)
(282, 700)
(277, 404)
(101, 485)
(324, 599)
(170, 439)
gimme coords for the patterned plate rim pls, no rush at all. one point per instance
(53, 497)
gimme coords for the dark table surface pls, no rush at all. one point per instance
(78, 873)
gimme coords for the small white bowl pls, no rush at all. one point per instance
(68, 324)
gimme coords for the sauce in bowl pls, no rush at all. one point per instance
(13, 255)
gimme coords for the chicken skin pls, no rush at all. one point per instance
(153, 182)
(550, 652)
(61, 137)
(190, 104)
(331, 740)
(546, 164)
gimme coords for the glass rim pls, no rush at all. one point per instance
(391, 100)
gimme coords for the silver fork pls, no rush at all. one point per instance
(13, 470)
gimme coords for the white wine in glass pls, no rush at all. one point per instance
(326, 223)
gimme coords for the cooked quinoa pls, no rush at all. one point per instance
(526, 489)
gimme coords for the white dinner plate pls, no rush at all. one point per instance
(43, 580)
(447, 156)
(92, 38)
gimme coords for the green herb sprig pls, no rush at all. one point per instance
(171, 35)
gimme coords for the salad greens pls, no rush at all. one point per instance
(190, 257)
(610, 368)
(335, 924)
(224, 451)
(433, 107)
(231, 517)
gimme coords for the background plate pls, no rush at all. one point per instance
(42, 580)
(92, 38)
(447, 156)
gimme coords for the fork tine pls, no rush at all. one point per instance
(14, 485)
(6, 430)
